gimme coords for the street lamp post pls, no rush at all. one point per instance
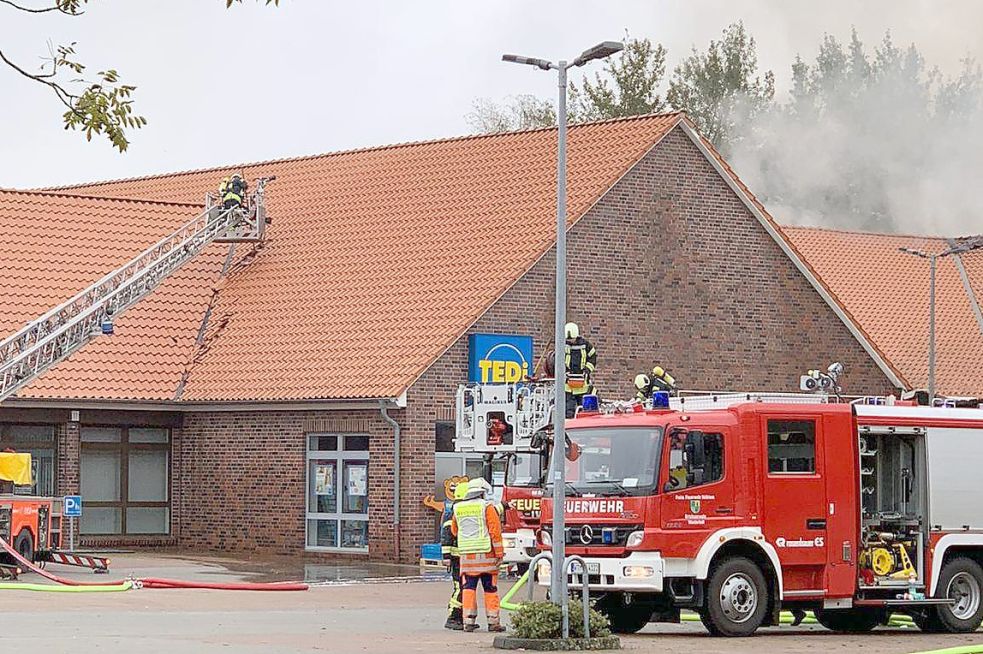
(599, 51)
(932, 266)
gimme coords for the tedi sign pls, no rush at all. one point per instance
(499, 358)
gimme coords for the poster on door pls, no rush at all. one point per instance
(324, 480)
(358, 480)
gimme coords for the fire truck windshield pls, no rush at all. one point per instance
(618, 461)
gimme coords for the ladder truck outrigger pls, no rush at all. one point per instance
(32, 525)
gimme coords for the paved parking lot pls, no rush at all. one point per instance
(381, 617)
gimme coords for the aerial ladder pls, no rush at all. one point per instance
(56, 335)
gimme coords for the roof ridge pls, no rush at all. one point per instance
(373, 148)
(87, 196)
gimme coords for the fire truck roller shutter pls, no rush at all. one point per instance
(750, 536)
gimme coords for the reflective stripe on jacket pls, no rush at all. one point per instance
(472, 527)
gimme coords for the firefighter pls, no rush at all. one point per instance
(478, 529)
(663, 381)
(235, 192)
(581, 361)
(660, 380)
(448, 544)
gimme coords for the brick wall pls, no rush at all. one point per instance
(67, 454)
(668, 267)
(243, 475)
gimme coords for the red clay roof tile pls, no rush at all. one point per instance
(377, 260)
(886, 292)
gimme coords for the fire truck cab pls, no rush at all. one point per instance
(852, 511)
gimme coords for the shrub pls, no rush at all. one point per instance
(545, 620)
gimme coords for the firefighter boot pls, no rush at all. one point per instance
(455, 620)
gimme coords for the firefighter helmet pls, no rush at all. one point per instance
(572, 330)
(641, 382)
(478, 488)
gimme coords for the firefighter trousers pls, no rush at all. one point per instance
(454, 605)
(489, 583)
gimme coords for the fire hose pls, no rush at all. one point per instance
(144, 583)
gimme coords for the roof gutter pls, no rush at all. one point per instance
(198, 407)
(384, 410)
(769, 226)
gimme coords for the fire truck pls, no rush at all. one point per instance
(745, 505)
(30, 524)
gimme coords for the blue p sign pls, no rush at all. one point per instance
(73, 506)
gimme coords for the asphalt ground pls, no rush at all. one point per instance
(371, 614)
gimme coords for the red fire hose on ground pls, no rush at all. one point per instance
(150, 582)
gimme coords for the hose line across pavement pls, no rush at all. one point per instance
(126, 584)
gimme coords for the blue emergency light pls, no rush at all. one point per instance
(607, 535)
(107, 327)
(589, 403)
(660, 400)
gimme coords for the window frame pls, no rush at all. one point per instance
(339, 457)
(816, 450)
(123, 447)
(709, 431)
(30, 447)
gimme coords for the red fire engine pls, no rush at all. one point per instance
(853, 511)
(28, 523)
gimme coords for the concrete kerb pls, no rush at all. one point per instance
(558, 644)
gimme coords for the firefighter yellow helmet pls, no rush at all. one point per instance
(461, 490)
(573, 331)
(641, 381)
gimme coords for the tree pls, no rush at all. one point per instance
(94, 105)
(876, 141)
(630, 85)
(517, 113)
(720, 87)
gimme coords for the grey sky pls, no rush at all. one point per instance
(257, 82)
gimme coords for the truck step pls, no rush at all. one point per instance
(928, 601)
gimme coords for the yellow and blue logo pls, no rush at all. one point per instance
(499, 358)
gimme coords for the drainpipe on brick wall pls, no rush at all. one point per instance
(396, 429)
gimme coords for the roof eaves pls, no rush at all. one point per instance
(549, 246)
(775, 231)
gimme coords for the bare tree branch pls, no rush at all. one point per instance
(65, 96)
(70, 7)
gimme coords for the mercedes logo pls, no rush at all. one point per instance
(586, 534)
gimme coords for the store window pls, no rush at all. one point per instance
(338, 492)
(124, 479)
(39, 442)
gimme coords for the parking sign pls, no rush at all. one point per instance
(73, 506)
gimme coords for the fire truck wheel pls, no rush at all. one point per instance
(850, 621)
(625, 618)
(737, 598)
(24, 544)
(961, 580)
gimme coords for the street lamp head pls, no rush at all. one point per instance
(599, 51)
(529, 61)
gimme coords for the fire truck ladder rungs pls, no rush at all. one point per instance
(53, 337)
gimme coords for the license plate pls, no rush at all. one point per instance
(592, 568)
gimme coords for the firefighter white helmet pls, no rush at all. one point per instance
(573, 331)
(478, 488)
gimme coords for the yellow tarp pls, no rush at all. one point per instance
(16, 468)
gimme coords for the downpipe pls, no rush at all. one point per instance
(384, 410)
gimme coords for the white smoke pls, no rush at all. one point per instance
(882, 141)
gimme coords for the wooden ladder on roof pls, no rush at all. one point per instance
(53, 337)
